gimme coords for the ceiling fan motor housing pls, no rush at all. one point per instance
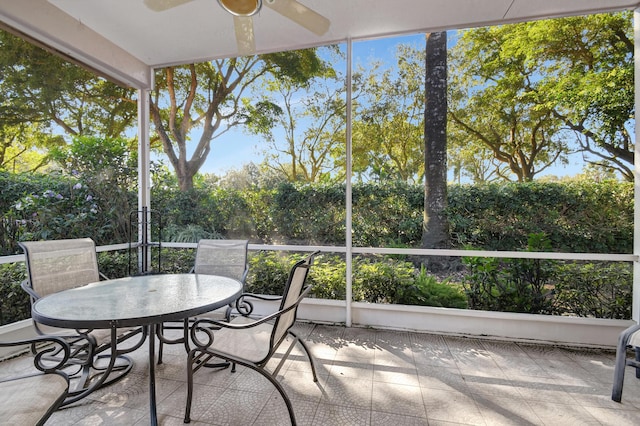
(241, 7)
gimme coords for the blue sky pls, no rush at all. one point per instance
(236, 147)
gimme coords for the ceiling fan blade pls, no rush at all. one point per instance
(162, 5)
(300, 14)
(244, 35)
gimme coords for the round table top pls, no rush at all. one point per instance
(135, 301)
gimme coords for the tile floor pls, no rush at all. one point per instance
(376, 377)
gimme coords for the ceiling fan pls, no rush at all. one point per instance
(243, 11)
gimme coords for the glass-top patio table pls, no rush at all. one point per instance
(144, 301)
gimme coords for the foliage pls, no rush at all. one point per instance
(54, 214)
(210, 96)
(309, 214)
(495, 105)
(15, 304)
(591, 81)
(40, 88)
(380, 280)
(177, 261)
(311, 117)
(329, 278)
(597, 290)
(115, 264)
(375, 280)
(107, 167)
(388, 125)
(579, 216)
(191, 233)
(427, 290)
(268, 273)
(525, 95)
(511, 285)
(23, 147)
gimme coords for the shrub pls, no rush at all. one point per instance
(600, 290)
(579, 216)
(511, 285)
(268, 273)
(15, 304)
(380, 280)
(426, 290)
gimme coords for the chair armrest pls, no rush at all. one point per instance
(245, 307)
(54, 345)
(259, 296)
(204, 324)
(25, 286)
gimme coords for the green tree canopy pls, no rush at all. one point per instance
(389, 119)
(531, 93)
(210, 97)
(41, 88)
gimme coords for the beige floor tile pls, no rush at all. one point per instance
(277, 413)
(348, 392)
(235, 407)
(397, 399)
(561, 414)
(615, 416)
(357, 368)
(397, 375)
(385, 419)
(339, 415)
(456, 407)
(544, 390)
(448, 379)
(374, 377)
(497, 411)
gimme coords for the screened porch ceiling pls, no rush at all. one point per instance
(126, 39)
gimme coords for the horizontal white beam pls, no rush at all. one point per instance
(46, 24)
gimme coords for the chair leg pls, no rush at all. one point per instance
(277, 385)
(282, 392)
(621, 364)
(187, 412)
(306, 349)
(160, 332)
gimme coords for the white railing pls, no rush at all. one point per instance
(499, 325)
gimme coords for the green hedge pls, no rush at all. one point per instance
(579, 217)
(569, 217)
(576, 216)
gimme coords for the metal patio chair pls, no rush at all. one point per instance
(227, 258)
(630, 338)
(252, 343)
(30, 397)
(58, 265)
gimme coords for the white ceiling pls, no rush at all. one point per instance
(124, 38)
(201, 29)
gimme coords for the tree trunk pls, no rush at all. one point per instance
(435, 233)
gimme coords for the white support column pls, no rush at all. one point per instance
(636, 180)
(144, 155)
(349, 212)
(144, 173)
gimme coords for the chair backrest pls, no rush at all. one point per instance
(57, 265)
(222, 257)
(293, 289)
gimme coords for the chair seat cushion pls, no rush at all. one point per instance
(251, 344)
(26, 400)
(634, 339)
